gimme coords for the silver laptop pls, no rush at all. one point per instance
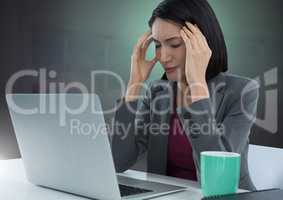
(64, 145)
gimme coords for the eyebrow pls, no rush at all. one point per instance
(167, 40)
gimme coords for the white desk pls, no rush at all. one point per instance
(14, 185)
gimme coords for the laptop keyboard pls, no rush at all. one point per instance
(126, 190)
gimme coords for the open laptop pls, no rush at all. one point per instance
(64, 145)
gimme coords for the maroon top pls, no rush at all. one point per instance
(180, 162)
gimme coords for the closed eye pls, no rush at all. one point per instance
(172, 45)
(175, 45)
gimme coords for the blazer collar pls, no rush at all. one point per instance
(216, 87)
(216, 84)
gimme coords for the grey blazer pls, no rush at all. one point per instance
(229, 114)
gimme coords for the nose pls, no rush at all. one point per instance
(165, 55)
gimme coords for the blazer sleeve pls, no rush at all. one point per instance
(129, 138)
(231, 135)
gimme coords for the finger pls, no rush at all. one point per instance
(143, 38)
(192, 28)
(146, 44)
(137, 48)
(187, 41)
(197, 34)
(153, 62)
(192, 38)
(147, 41)
(205, 41)
(201, 37)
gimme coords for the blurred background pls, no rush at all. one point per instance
(74, 38)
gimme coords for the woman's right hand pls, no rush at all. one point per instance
(140, 67)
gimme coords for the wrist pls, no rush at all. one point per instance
(133, 91)
(195, 77)
(134, 82)
(199, 91)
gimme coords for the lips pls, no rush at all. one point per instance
(170, 69)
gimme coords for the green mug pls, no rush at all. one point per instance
(220, 172)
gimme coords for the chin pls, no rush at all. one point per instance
(173, 76)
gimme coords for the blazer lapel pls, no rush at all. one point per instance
(157, 149)
(157, 146)
(216, 88)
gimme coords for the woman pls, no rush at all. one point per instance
(203, 107)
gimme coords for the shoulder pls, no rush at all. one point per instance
(238, 86)
(237, 82)
(240, 92)
(232, 82)
(237, 93)
(233, 85)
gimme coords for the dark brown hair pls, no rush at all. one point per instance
(197, 12)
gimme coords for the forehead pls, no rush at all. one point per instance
(162, 29)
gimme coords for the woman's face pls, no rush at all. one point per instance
(170, 48)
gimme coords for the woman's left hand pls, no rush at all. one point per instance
(198, 55)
